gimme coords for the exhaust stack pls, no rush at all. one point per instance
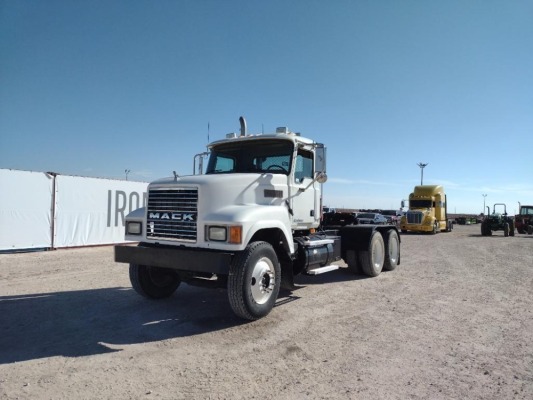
(243, 126)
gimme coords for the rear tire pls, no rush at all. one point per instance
(392, 250)
(485, 228)
(352, 260)
(372, 260)
(506, 229)
(254, 281)
(153, 282)
(449, 226)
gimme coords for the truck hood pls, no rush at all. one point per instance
(216, 191)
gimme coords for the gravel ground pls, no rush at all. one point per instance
(453, 321)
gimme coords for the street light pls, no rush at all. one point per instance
(484, 197)
(127, 171)
(422, 166)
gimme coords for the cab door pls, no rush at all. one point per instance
(305, 198)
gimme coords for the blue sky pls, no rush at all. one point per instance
(96, 87)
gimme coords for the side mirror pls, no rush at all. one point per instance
(321, 177)
(320, 158)
(403, 203)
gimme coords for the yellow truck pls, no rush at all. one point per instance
(427, 211)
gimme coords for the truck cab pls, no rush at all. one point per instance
(250, 223)
(427, 211)
(524, 219)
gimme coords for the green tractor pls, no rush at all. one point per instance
(497, 222)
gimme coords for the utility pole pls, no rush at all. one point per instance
(484, 197)
(422, 166)
(127, 171)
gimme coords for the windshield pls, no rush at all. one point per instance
(367, 215)
(526, 210)
(420, 204)
(273, 156)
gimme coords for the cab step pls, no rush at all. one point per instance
(322, 270)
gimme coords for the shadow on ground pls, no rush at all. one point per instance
(90, 322)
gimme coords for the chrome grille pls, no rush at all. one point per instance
(172, 214)
(414, 217)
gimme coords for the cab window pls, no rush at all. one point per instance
(304, 166)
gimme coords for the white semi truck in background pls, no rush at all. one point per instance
(250, 223)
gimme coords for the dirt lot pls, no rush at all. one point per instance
(454, 321)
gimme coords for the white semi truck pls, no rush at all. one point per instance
(250, 223)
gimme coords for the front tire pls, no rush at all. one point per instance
(392, 250)
(254, 281)
(153, 282)
(372, 260)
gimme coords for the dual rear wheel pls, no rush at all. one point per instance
(382, 253)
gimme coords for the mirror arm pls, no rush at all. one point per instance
(318, 176)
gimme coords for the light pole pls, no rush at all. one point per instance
(422, 166)
(127, 171)
(484, 197)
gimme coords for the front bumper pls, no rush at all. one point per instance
(416, 227)
(191, 260)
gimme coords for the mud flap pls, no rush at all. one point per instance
(287, 277)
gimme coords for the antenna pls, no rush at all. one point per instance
(208, 129)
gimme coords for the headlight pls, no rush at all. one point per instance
(133, 228)
(229, 234)
(217, 233)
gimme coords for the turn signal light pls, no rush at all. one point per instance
(235, 234)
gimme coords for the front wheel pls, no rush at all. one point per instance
(506, 229)
(153, 282)
(254, 281)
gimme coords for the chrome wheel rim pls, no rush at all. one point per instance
(263, 280)
(378, 254)
(393, 251)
